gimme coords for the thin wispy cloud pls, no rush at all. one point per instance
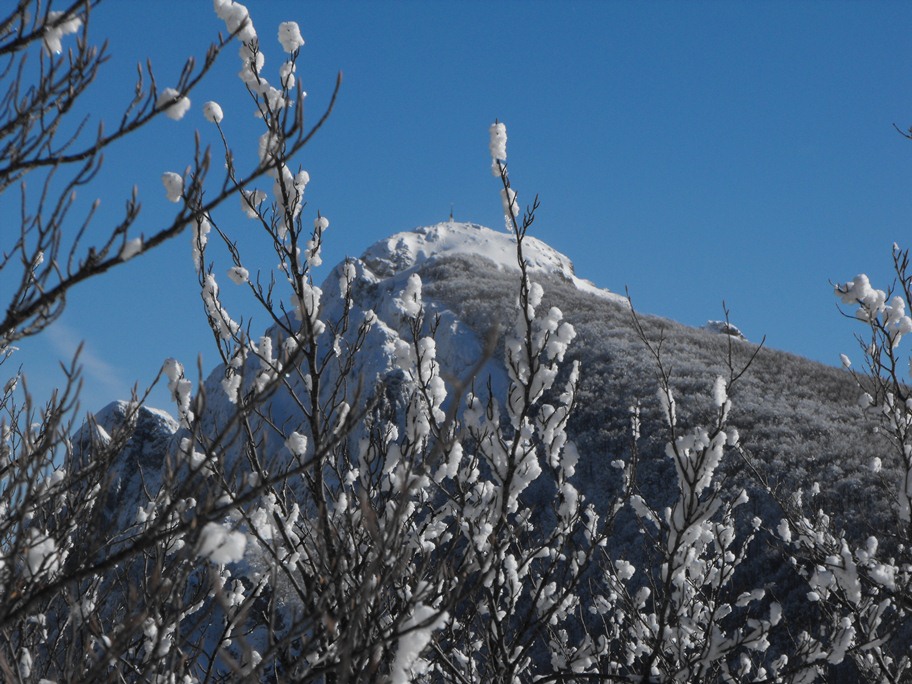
(102, 381)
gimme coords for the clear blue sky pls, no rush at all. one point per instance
(695, 152)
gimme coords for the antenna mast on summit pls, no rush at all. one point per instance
(451, 212)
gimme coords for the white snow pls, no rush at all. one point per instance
(250, 200)
(213, 112)
(724, 328)
(172, 369)
(719, 392)
(165, 419)
(179, 104)
(239, 274)
(174, 185)
(290, 36)
(201, 229)
(297, 443)
(407, 251)
(221, 545)
(510, 203)
(415, 634)
(54, 34)
(286, 75)
(859, 291)
(237, 20)
(25, 664)
(222, 8)
(42, 555)
(250, 71)
(498, 145)
(131, 248)
(410, 300)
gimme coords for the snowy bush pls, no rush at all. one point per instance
(309, 518)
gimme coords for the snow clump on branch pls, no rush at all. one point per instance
(239, 274)
(409, 302)
(416, 634)
(174, 186)
(859, 291)
(179, 104)
(510, 205)
(131, 248)
(237, 19)
(43, 556)
(498, 141)
(250, 200)
(54, 33)
(180, 388)
(221, 545)
(290, 36)
(213, 112)
(872, 305)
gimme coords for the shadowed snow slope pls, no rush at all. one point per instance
(138, 468)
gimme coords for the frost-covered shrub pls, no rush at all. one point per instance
(594, 495)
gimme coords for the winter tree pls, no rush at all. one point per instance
(310, 523)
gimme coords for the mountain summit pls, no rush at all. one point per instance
(410, 251)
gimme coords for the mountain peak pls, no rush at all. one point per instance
(404, 252)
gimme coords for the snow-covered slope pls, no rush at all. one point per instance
(410, 251)
(381, 275)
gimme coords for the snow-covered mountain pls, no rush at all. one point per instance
(799, 421)
(381, 275)
(799, 417)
